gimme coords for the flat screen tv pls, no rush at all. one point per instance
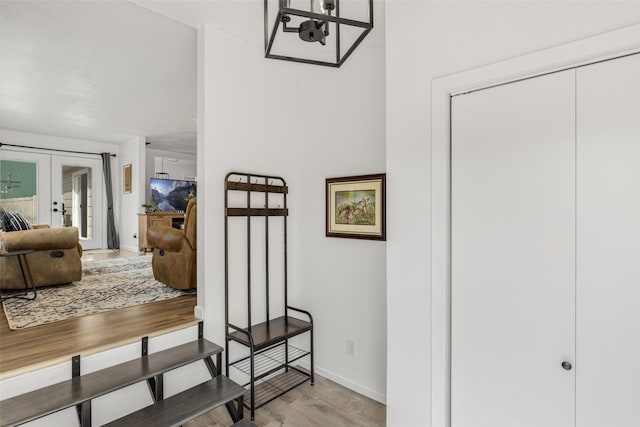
(172, 194)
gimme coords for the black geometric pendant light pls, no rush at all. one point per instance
(316, 32)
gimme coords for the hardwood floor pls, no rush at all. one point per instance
(96, 255)
(33, 348)
(326, 404)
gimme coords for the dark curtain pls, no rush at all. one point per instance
(113, 242)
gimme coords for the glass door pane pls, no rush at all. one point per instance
(77, 203)
(77, 197)
(25, 185)
(18, 188)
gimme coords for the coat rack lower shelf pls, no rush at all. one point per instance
(273, 370)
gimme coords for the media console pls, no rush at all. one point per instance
(145, 220)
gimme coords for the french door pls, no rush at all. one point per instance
(61, 191)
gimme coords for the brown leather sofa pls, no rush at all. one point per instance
(174, 251)
(55, 258)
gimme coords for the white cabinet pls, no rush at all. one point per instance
(545, 250)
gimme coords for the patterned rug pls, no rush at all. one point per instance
(105, 285)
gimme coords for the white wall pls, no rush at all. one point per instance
(175, 167)
(305, 123)
(341, 281)
(427, 40)
(132, 152)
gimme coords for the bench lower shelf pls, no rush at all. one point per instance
(274, 373)
(275, 386)
(270, 360)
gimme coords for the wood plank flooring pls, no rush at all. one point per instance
(34, 348)
(326, 404)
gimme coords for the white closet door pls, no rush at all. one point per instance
(513, 254)
(608, 249)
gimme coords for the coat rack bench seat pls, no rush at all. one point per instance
(268, 333)
(266, 356)
(81, 389)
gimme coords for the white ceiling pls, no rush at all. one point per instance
(242, 18)
(98, 70)
(111, 70)
(190, 12)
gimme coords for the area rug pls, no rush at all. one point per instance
(105, 285)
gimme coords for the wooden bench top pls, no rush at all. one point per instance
(268, 333)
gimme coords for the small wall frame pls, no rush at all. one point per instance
(356, 207)
(126, 178)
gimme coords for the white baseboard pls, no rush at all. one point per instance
(358, 388)
(129, 248)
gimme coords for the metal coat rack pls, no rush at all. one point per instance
(267, 357)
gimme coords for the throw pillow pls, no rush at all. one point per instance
(4, 220)
(15, 221)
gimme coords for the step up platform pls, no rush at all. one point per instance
(177, 410)
(81, 389)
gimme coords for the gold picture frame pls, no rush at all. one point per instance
(126, 178)
(355, 207)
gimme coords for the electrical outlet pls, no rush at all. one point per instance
(351, 348)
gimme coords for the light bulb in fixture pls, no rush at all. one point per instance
(314, 30)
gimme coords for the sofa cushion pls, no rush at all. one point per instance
(42, 239)
(46, 270)
(55, 258)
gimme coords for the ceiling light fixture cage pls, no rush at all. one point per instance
(314, 21)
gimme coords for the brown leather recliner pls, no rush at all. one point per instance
(55, 258)
(174, 251)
